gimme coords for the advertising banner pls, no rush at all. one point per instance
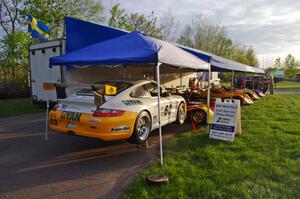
(226, 120)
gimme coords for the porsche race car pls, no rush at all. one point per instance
(115, 110)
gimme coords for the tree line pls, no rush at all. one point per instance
(200, 33)
(290, 65)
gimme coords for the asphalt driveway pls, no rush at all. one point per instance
(67, 166)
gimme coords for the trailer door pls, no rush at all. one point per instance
(40, 70)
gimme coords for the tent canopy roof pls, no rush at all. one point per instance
(81, 33)
(86, 34)
(220, 64)
(132, 48)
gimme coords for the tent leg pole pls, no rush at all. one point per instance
(208, 96)
(244, 89)
(232, 76)
(47, 111)
(253, 82)
(158, 113)
(180, 78)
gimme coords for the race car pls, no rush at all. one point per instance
(252, 94)
(115, 110)
(223, 94)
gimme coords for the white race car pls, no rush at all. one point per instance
(114, 110)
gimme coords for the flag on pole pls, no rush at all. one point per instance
(38, 29)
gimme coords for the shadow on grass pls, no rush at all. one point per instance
(192, 141)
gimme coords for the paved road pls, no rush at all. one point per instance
(67, 166)
(285, 91)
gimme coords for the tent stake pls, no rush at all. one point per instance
(158, 113)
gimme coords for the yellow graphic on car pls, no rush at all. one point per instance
(110, 90)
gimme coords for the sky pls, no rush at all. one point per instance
(271, 27)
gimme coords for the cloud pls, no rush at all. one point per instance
(271, 27)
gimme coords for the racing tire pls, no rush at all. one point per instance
(198, 117)
(181, 114)
(142, 128)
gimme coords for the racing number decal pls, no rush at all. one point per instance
(167, 110)
(71, 116)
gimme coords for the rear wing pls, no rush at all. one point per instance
(99, 91)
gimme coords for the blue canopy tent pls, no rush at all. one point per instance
(133, 49)
(86, 33)
(220, 64)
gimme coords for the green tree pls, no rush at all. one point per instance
(239, 56)
(210, 37)
(14, 43)
(186, 38)
(205, 35)
(14, 57)
(291, 66)
(119, 18)
(52, 12)
(277, 63)
(251, 57)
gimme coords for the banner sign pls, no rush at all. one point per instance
(226, 120)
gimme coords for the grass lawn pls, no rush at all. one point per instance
(264, 162)
(288, 85)
(14, 107)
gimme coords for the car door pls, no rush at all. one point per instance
(164, 104)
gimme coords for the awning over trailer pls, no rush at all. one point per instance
(220, 64)
(132, 48)
(81, 33)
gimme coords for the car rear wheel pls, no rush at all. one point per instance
(198, 117)
(181, 114)
(142, 128)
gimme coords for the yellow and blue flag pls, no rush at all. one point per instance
(38, 29)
